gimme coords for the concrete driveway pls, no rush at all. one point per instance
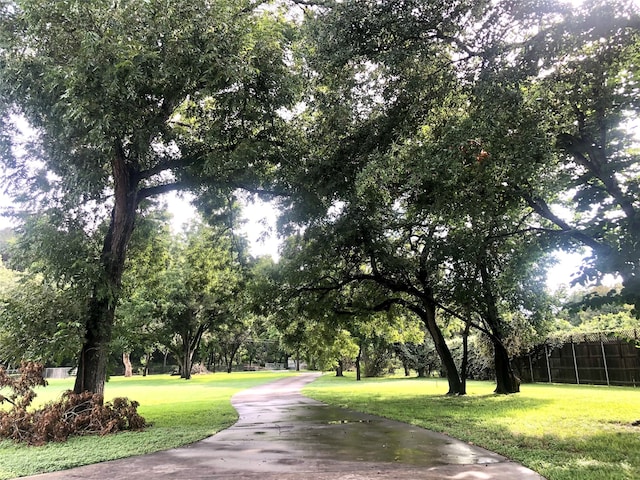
(284, 435)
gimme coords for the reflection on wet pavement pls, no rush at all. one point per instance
(317, 430)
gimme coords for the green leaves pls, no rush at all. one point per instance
(38, 320)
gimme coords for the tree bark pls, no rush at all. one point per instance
(147, 360)
(465, 355)
(232, 355)
(126, 360)
(506, 380)
(358, 368)
(186, 359)
(407, 370)
(428, 315)
(92, 361)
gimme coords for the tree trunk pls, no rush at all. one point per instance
(147, 361)
(186, 359)
(506, 380)
(126, 360)
(465, 355)
(428, 315)
(92, 362)
(358, 372)
(232, 356)
(339, 368)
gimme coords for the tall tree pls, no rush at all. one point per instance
(413, 184)
(201, 289)
(381, 71)
(131, 99)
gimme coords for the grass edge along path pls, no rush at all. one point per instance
(180, 412)
(564, 432)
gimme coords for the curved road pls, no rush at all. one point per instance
(284, 435)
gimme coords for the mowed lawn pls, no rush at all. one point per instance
(561, 431)
(180, 412)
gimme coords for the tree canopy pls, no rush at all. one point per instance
(427, 157)
(131, 99)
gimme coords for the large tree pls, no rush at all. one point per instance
(559, 105)
(131, 99)
(407, 179)
(200, 290)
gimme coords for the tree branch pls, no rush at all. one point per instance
(466, 320)
(171, 164)
(542, 209)
(160, 189)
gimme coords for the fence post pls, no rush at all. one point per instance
(533, 380)
(604, 359)
(575, 362)
(546, 351)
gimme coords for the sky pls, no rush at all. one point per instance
(260, 226)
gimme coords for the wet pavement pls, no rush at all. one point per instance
(284, 435)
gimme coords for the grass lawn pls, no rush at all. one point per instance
(561, 431)
(180, 412)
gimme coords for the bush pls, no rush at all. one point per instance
(74, 414)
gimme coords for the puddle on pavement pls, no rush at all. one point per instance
(345, 435)
(302, 426)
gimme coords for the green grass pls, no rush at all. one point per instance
(561, 431)
(180, 412)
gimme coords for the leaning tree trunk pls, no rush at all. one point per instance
(428, 315)
(92, 361)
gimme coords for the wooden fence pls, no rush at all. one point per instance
(604, 358)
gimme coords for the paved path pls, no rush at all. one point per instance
(283, 435)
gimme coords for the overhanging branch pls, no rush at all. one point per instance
(160, 189)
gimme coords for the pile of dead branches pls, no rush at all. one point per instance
(74, 414)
